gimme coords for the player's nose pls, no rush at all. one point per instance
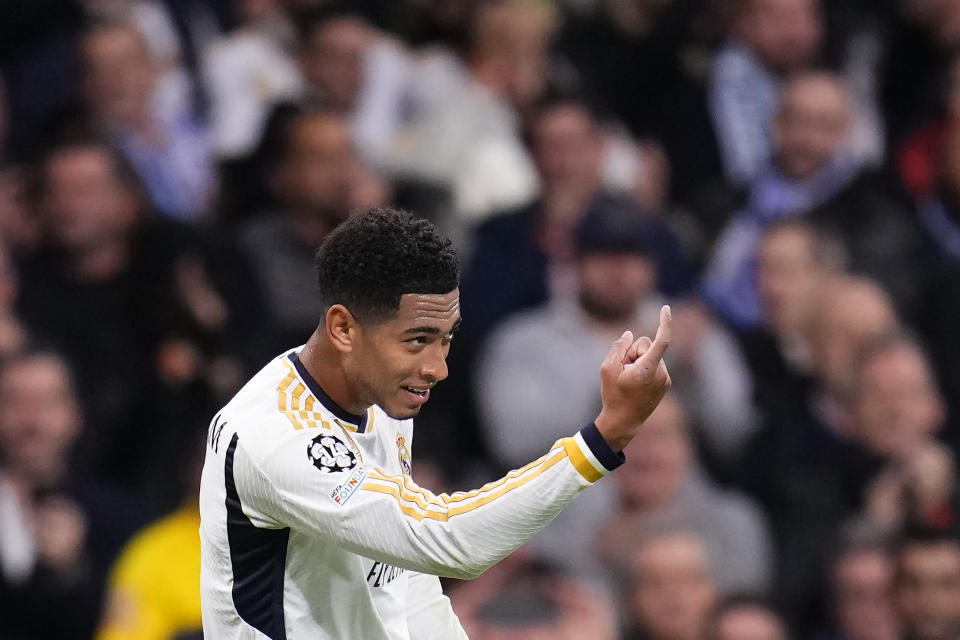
(434, 368)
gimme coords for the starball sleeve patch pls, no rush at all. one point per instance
(330, 454)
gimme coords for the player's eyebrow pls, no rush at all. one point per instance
(431, 330)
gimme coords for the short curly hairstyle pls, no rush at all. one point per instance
(379, 254)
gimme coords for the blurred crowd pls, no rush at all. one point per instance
(785, 173)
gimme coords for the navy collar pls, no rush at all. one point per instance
(359, 420)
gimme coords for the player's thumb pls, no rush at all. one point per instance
(613, 363)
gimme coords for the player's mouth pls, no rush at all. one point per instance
(418, 395)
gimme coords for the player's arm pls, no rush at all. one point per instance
(430, 615)
(389, 518)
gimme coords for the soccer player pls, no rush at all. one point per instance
(310, 524)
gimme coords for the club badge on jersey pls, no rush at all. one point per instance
(403, 454)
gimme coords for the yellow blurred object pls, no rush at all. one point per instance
(154, 591)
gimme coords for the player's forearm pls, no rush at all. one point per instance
(463, 534)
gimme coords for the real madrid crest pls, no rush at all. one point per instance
(403, 454)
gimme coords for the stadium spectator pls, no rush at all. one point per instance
(58, 529)
(852, 313)
(662, 482)
(351, 67)
(135, 287)
(860, 592)
(615, 280)
(670, 591)
(313, 176)
(769, 40)
(466, 132)
(745, 618)
(524, 599)
(929, 165)
(928, 586)
(812, 126)
(794, 264)
(246, 72)
(896, 410)
(523, 257)
(169, 151)
(154, 20)
(804, 368)
(815, 175)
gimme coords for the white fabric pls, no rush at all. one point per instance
(18, 549)
(356, 569)
(246, 73)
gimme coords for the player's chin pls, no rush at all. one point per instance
(402, 413)
(402, 408)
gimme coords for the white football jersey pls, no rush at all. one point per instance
(312, 528)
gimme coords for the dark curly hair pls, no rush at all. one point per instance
(376, 256)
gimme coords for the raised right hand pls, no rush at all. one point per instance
(633, 380)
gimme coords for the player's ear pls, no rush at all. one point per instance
(340, 327)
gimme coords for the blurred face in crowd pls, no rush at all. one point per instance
(119, 74)
(39, 416)
(613, 284)
(863, 595)
(86, 203)
(509, 48)
(897, 402)
(789, 277)
(568, 147)
(316, 174)
(784, 34)
(672, 591)
(658, 458)
(748, 622)
(812, 125)
(333, 59)
(851, 313)
(928, 590)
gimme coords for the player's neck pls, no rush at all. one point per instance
(322, 362)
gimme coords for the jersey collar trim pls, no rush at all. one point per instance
(328, 403)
